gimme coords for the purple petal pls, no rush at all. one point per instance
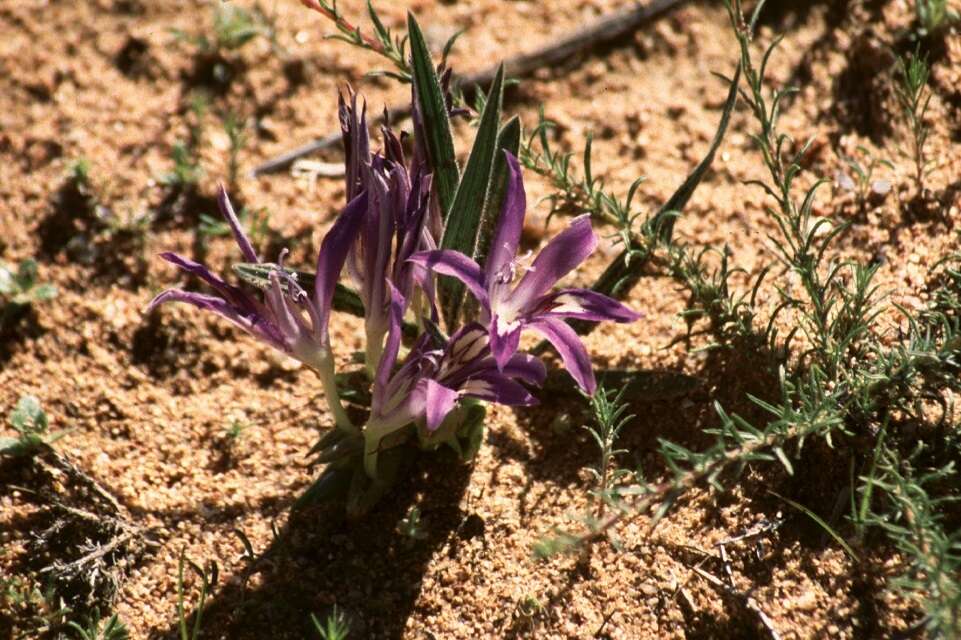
(527, 368)
(561, 255)
(227, 211)
(572, 350)
(440, 400)
(356, 142)
(376, 241)
(584, 304)
(252, 323)
(510, 224)
(391, 347)
(288, 321)
(332, 255)
(505, 339)
(231, 294)
(457, 265)
(494, 387)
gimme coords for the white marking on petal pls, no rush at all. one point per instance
(566, 303)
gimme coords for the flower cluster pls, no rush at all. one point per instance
(386, 242)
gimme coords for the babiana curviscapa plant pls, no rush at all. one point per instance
(415, 237)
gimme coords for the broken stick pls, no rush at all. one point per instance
(605, 30)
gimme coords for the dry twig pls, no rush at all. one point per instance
(605, 30)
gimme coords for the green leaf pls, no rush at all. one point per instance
(331, 484)
(9, 446)
(509, 139)
(438, 141)
(464, 218)
(27, 274)
(28, 416)
(625, 271)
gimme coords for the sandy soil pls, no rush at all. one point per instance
(148, 400)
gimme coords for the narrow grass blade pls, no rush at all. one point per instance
(821, 523)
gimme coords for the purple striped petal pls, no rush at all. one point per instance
(527, 368)
(584, 304)
(455, 264)
(199, 270)
(494, 387)
(288, 321)
(510, 224)
(505, 339)
(252, 323)
(332, 255)
(227, 211)
(572, 350)
(391, 348)
(440, 401)
(561, 255)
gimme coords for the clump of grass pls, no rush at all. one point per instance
(334, 627)
(112, 628)
(914, 97)
(33, 610)
(840, 379)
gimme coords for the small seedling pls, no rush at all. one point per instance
(30, 422)
(187, 169)
(234, 127)
(114, 629)
(411, 526)
(609, 418)
(235, 430)
(19, 289)
(863, 183)
(914, 98)
(933, 16)
(334, 627)
(233, 27)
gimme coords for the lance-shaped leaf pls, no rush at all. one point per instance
(625, 271)
(438, 142)
(509, 139)
(464, 217)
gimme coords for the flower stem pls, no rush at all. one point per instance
(323, 366)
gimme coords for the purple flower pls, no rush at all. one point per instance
(510, 308)
(394, 223)
(432, 380)
(287, 318)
